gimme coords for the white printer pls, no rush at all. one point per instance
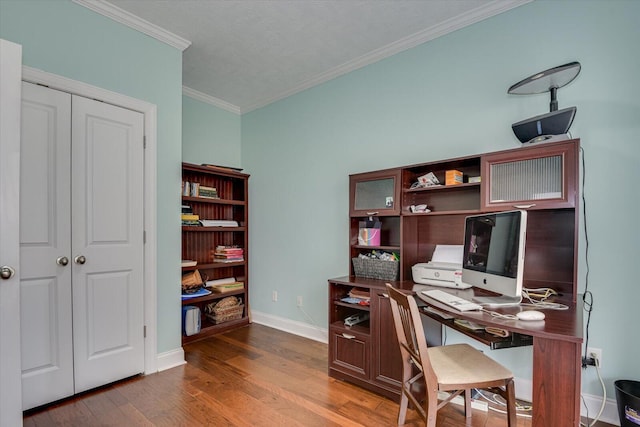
(444, 269)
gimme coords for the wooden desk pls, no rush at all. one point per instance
(556, 357)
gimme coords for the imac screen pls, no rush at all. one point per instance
(494, 253)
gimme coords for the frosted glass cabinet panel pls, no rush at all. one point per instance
(375, 193)
(536, 178)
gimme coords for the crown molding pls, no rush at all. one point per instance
(130, 20)
(216, 102)
(483, 12)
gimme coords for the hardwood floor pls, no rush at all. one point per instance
(253, 376)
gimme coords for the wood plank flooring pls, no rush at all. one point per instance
(253, 376)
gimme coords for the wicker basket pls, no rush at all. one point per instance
(192, 282)
(225, 310)
(376, 268)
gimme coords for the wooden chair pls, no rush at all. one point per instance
(455, 369)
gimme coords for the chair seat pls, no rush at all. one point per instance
(461, 364)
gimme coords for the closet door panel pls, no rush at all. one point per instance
(107, 197)
(45, 237)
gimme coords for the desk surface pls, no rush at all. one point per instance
(563, 325)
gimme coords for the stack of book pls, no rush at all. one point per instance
(228, 254)
(359, 296)
(190, 219)
(208, 192)
(194, 189)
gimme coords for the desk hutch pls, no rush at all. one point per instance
(543, 179)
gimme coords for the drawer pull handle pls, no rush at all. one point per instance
(347, 336)
(524, 206)
(372, 213)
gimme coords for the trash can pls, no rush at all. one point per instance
(628, 397)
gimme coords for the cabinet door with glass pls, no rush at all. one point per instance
(540, 176)
(375, 193)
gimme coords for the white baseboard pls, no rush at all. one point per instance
(593, 403)
(171, 359)
(294, 327)
(588, 403)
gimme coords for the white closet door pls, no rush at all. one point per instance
(10, 88)
(45, 242)
(107, 242)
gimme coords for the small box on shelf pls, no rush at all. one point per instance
(453, 177)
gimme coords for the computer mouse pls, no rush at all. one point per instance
(530, 315)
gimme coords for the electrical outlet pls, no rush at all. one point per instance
(596, 353)
(299, 301)
(274, 296)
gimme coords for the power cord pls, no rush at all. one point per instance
(587, 297)
(541, 303)
(498, 400)
(604, 396)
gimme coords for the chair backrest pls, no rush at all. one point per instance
(410, 333)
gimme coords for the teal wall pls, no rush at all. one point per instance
(63, 38)
(443, 99)
(209, 134)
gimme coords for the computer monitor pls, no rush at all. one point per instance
(493, 256)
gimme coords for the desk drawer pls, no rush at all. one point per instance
(350, 352)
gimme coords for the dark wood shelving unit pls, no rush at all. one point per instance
(368, 355)
(198, 242)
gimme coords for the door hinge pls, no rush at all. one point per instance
(144, 236)
(144, 141)
(144, 331)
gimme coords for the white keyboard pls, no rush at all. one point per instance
(452, 300)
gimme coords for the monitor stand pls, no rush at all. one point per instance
(498, 301)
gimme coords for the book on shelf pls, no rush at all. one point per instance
(189, 217)
(228, 250)
(224, 253)
(191, 223)
(207, 192)
(195, 189)
(218, 223)
(189, 263)
(360, 294)
(228, 260)
(226, 287)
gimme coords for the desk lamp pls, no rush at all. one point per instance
(546, 127)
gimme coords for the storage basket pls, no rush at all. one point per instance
(225, 310)
(192, 282)
(375, 268)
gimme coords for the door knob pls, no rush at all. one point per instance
(6, 272)
(62, 260)
(80, 259)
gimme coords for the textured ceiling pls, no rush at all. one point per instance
(249, 53)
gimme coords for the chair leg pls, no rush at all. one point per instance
(402, 412)
(431, 408)
(467, 404)
(511, 403)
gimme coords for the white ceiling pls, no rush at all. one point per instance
(245, 54)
